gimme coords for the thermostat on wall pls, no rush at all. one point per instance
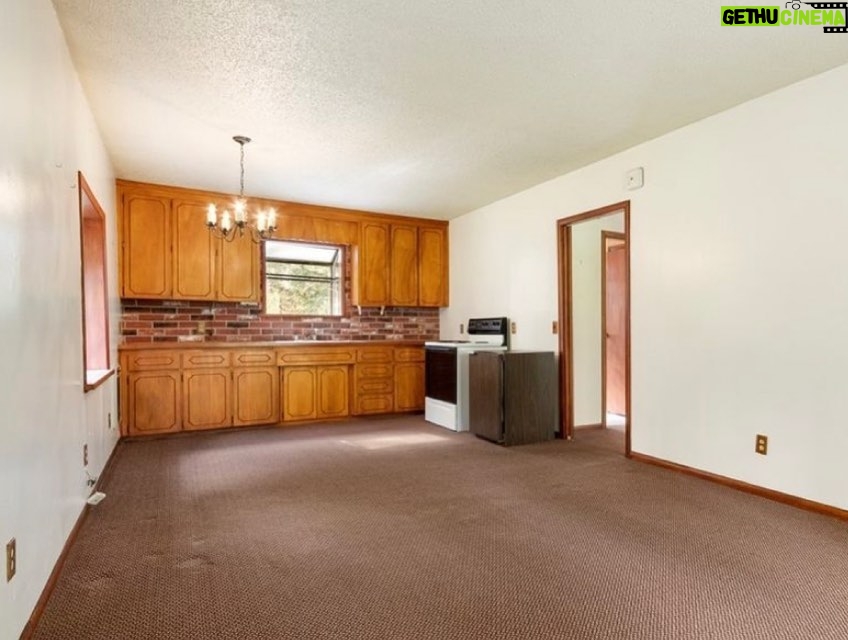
(635, 178)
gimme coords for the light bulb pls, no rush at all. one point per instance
(226, 222)
(211, 215)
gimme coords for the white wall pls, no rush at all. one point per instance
(739, 308)
(586, 289)
(46, 417)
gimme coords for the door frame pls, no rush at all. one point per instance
(566, 333)
(606, 236)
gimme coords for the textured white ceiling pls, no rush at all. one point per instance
(420, 107)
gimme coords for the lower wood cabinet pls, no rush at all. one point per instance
(207, 399)
(409, 386)
(256, 396)
(152, 404)
(313, 393)
(409, 379)
(189, 389)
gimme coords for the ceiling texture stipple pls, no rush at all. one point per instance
(416, 107)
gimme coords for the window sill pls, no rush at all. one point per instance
(95, 377)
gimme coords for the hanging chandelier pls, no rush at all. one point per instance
(233, 224)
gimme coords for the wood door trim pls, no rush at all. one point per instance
(566, 364)
(606, 236)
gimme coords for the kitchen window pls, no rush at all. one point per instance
(303, 279)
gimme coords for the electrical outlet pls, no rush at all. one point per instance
(461, 328)
(555, 327)
(11, 559)
(761, 445)
(513, 327)
(85, 455)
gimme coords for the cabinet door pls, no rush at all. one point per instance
(239, 278)
(404, 266)
(333, 392)
(194, 253)
(206, 399)
(255, 395)
(409, 386)
(146, 247)
(373, 265)
(153, 402)
(433, 267)
(300, 385)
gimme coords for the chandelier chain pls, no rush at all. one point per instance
(241, 181)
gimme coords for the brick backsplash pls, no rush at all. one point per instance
(172, 321)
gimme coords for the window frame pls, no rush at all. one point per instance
(340, 260)
(94, 289)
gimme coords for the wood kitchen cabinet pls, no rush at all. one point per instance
(207, 389)
(146, 247)
(373, 381)
(207, 399)
(194, 253)
(167, 252)
(192, 388)
(371, 273)
(404, 265)
(153, 393)
(313, 393)
(409, 379)
(433, 267)
(153, 402)
(256, 387)
(333, 391)
(299, 393)
(239, 270)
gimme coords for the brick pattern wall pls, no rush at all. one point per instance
(172, 321)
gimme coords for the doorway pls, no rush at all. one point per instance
(613, 333)
(594, 320)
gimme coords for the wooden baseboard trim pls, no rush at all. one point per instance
(586, 427)
(770, 494)
(38, 610)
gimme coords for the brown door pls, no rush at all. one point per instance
(616, 399)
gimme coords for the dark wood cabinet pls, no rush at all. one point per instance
(513, 396)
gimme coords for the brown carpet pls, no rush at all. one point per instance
(395, 528)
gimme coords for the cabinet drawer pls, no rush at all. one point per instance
(315, 356)
(152, 360)
(205, 359)
(409, 354)
(374, 404)
(378, 354)
(373, 371)
(257, 358)
(365, 387)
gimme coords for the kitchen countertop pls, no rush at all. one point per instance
(198, 344)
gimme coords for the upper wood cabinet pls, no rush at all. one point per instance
(404, 266)
(239, 270)
(433, 266)
(146, 247)
(194, 253)
(167, 253)
(372, 265)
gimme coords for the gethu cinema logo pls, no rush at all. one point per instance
(827, 14)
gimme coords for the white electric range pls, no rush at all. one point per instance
(446, 371)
